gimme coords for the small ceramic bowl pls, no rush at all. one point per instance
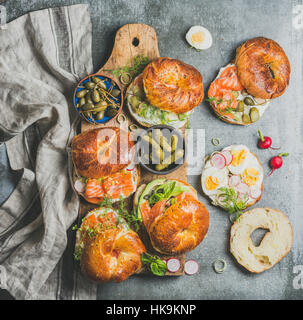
(142, 149)
(110, 85)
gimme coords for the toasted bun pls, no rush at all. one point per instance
(263, 68)
(101, 152)
(182, 227)
(113, 254)
(275, 245)
(173, 85)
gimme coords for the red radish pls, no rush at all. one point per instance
(218, 160)
(79, 186)
(276, 162)
(242, 188)
(173, 264)
(255, 193)
(265, 142)
(228, 157)
(191, 267)
(234, 180)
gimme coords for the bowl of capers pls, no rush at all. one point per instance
(98, 98)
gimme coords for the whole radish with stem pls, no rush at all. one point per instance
(265, 142)
(276, 162)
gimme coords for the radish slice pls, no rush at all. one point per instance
(79, 186)
(255, 193)
(173, 264)
(191, 267)
(228, 157)
(218, 160)
(234, 180)
(242, 188)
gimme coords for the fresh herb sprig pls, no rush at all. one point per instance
(138, 64)
(154, 263)
(231, 202)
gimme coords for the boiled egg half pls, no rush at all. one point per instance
(199, 37)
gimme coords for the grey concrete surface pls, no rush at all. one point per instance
(230, 22)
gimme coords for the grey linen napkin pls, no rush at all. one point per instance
(42, 56)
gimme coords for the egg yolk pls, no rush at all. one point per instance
(211, 183)
(197, 37)
(250, 176)
(238, 157)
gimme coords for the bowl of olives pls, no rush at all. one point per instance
(98, 98)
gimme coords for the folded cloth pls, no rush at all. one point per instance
(42, 56)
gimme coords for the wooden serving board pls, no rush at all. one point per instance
(132, 40)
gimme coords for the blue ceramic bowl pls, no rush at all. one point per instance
(109, 82)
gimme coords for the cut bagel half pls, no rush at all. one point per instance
(275, 245)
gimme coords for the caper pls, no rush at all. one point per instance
(111, 112)
(115, 92)
(88, 98)
(235, 94)
(240, 107)
(100, 115)
(82, 93)
(102, 85)
(101, 105)
(249, 101)
(81, 102)
(254, 114)
(245, 118)
(90, 85)
(96, 96)
(87, 106)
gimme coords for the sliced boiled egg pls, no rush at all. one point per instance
(199, 37)
(240, 155)
(213, 179)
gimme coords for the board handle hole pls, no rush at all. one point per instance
(135, 42)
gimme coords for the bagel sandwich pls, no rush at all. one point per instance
(233, 178)
(275, 245)
(166, 92)
(108, 250)
(175, 220)
(104, 167)
(243, 89)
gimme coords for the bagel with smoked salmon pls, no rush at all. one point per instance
(174, 218)
(108, 250)
(104, 167)
(166, 92)
(244, 88)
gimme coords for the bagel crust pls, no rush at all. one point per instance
(173, 85)
(263, 68)
(101, 152)
(275, 245)
(181, 228)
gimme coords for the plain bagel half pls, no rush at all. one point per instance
(275, 245)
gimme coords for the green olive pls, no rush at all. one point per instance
(254, 114)
(102, 85)
(115, 92)
(90, 85)
(111, 112)
(240, 107)
(249, 101)
(82, 93)
(88, 98)
(96, 96)
(96, 79)
(245, 118)
(100, 115)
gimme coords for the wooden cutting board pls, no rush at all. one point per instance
(132, 40)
